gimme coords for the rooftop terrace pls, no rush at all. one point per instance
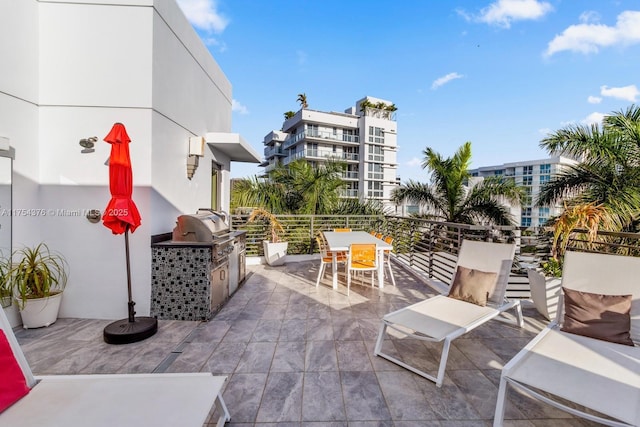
(297, 355)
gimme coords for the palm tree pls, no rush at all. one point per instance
(259, 192)
(302, 99)
(311, 190)
(609, 172)
(289, 114)
(298, 188)
(364, 105)
(448, 198)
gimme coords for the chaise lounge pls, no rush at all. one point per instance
(585, 361)
(153, 400)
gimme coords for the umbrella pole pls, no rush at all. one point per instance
(132, 313)
(130, 330)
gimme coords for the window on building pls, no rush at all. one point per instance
(376, 153)
(313, 130)
(525, 222)
(526, 211)
(350, 153)
(498, 172)
(545, 168)
(348, 135)
(375, 171)
(527, 170)
(374, 189)
(543, 212)
(544, 179)
(527, 199)
(376, 135)
(527, 180)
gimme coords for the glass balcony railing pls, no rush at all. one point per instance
(320, 154)
(351, 175)
(340, 137)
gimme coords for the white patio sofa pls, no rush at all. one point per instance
(576, 373)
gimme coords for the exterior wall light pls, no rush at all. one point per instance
(87, 144)
(196, 150)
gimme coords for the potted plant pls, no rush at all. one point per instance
(275, 250)
(38, 276)
(546, 282)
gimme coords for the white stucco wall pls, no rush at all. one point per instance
(77, 67)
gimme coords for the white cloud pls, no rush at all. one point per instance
(544, 131)
(238, 108)
(589, 17)
(594, 99)
(589, 36)
(414, 162)
(627, 93)
(503, 12)
(593, 118)
(204, 15)
(445, 79)
(211, 41)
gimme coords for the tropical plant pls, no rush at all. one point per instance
(298, 188)
(355, 206)
(256, 191)
(588, 217)
(302, 99)
(37, 273)
(609, 172)
(448, 198)
(311, 190)
(366, 106)
(274, 227)
(289, 114)
(551, 268)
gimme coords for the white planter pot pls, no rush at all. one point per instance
(41, 311)
(5, 301)
(275, 253)
(545, 293)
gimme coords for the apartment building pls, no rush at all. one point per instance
(531, 174)
(363, 136)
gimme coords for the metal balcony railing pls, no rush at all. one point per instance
(430, 247)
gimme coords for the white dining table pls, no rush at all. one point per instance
(340, 241)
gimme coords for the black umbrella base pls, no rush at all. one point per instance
(125, 332)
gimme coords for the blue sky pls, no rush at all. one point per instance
(501, 74)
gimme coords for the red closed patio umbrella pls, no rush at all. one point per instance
(121, 216)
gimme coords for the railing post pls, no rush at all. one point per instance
(311, 233)
(431, 237)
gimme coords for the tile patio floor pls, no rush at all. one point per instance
(300, 356)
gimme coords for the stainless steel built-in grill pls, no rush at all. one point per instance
(191, 278)
(208, 226)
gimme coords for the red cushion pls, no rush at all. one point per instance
(13, 385)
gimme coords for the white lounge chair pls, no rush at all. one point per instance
(576, 373)
(442, 318)
(109, 400)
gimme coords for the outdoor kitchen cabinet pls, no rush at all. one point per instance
(190, 277)
(186, 282)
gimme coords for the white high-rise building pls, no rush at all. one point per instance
(364, 136)
(530, 174)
